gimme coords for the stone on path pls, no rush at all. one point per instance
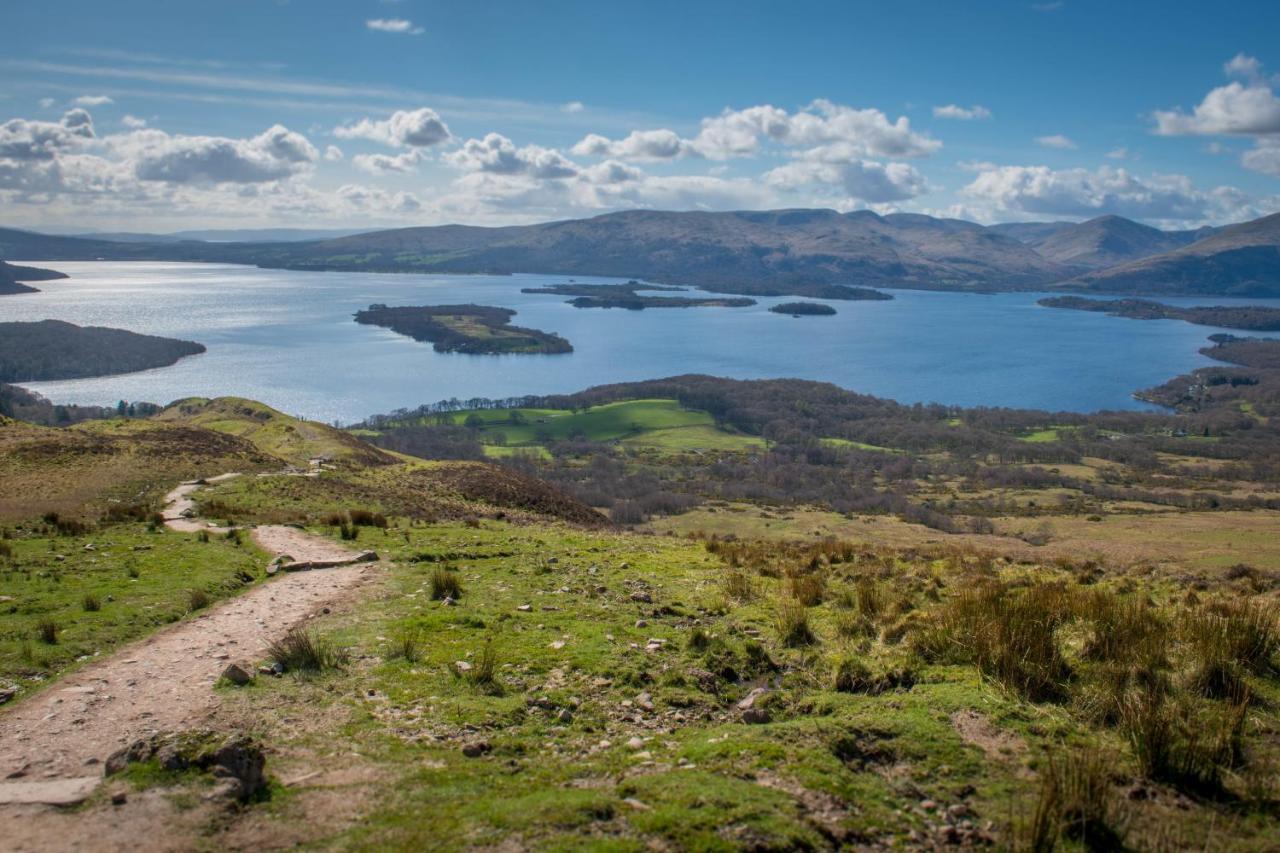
(56, 792)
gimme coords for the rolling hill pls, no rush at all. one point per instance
(779, 252)
(1240, 260)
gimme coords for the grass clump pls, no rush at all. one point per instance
(91, 603)
(445, 583)
(197, 599)
(791, 621)
(406, 647)
(1076, 804)
(47, 631)
(301, 650)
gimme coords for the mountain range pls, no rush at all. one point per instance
(764, 252)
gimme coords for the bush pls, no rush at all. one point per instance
(445, 583)
(304, 651)
(197, 599)
(91, 603)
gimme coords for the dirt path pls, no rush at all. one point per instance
(52, 744)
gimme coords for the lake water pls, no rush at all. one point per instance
(288, 339)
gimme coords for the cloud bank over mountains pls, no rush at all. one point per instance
(408, 165)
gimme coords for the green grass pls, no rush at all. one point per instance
(697, 437)
(1041, 436)
(140, 580)
(860, 445)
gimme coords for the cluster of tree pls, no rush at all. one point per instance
(796, 309)
(1254, 318)
(29, 406)
(472, 329)
(626, 296)
(52, 349)
(11, 275)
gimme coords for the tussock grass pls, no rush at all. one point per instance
(445, 583)
(301, 650)
(197, 599)
(1077, 804)
(91, 603)
(791, 621)
(47, 631)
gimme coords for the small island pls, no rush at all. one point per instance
(51, 350)
(626, 296)
(469, 329)
(824, 290)
(12, 275)
(803, 309)
(1251, 318)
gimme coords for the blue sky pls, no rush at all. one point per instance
(149, 115)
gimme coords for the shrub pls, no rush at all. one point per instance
(1123, 628)
(699, 640)
(1239, 631)
(47, 631)
(1076, 803)
(445, 583)
(91, 603)
(367, 518)
(1174, 746)
(348, 532)
(197, 599)
(304, 651)
(792, 623)
(202, 536)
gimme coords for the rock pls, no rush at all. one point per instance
(235, 674)
(750, 700)
(119, 798)
(448, 601)
(557, 644)
(928, 805)
(565, 716)
(236, 760)
(640, 623)
(756, 716)
(635, 743)
(367, 557)
(281, 559)
(642, 597)
(7, 692)
(462, 666)
(59, 792)
(644, 701)
(475, 749)
(525, 608)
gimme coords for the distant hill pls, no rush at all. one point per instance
(1239, 260)
(52, 349)
(768, 253)
(225, 235)
(1104, 241)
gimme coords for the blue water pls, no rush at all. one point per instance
(288, 339)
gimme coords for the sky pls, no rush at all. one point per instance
(137, 115)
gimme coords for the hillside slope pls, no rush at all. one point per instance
(1106, 241)
(1240, 260)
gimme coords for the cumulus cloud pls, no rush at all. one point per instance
(332, 153)
(960, 113)
(381, 164)
(740, 133)
(1249, 109)
(1265, 157)
(24, 139)
(274, 154)
(373, 199)
(1041, 191)
(860, 180)
(420, 128)
(497, 154)
(1057, 140)
(133, 122)
(1120, 153)
(92, 101)
(573, 107)
(393, 25)
(47, 103)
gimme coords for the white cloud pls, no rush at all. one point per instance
(272, 155)
(1235, 109)
(23, 139)
(133, 122)
(1265, 157)
(1057, 140)
(573, 107)
(1170, 199)
(47, 103)
(1120, 153)
(954, 111)
(420, 128)
(381, 164)
(332, 153)
(740, 133)
(393, 25)
(1243, 66)
(859, 180)
(497, 154)
(92, 101)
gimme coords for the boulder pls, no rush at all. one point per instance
(237, 675)
(235, 760)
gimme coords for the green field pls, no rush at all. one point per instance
(652, 424)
